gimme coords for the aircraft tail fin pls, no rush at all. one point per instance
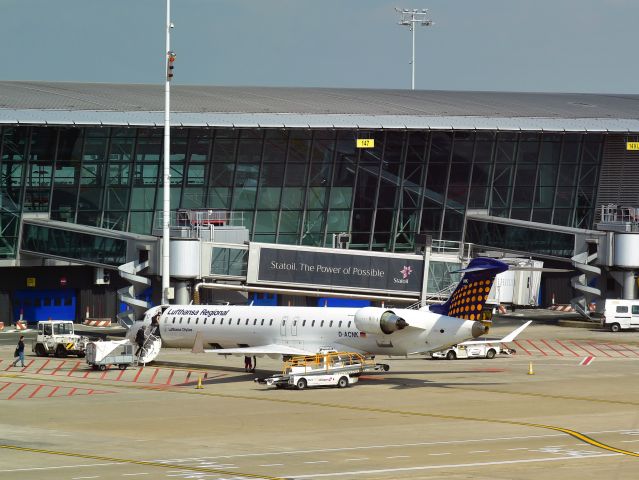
(469, 298)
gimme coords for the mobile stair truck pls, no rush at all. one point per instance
(101, 355)
(333, 369)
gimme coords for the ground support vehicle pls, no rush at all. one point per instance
(101, 355)
(620, 315)
(57, 337)
(486, 350)
(336, 369)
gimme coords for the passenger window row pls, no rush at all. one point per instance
(255, 320)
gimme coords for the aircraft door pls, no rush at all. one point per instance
(294, 326)
(283, 326)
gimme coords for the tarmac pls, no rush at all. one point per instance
(565, 406)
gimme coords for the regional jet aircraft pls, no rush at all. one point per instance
(277, 331)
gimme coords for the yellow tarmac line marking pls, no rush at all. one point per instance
(138, 462)
(572, 433)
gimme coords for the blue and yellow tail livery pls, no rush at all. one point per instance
(469, 298)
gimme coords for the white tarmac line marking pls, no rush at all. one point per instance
(272, 465)
(133, 474)
(439, 454)
(356, 459)
(480, 451)
(33, 469)
(400, 456)
(629, 441)
(520, 448)
(82, 478)
(453, 465)
(319, 461)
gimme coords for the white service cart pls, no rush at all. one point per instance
(101, 355)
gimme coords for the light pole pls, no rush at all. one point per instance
(170, 58)
(411, 18)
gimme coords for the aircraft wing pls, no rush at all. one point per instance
(270, 349)
(508, 338)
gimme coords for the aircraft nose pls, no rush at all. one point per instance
(477, 329)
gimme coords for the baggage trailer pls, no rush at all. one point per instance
(101, 355)
(339, 369)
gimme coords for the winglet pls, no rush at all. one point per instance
(512, 335)
(198, 344)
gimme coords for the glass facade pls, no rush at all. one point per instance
(299, 186)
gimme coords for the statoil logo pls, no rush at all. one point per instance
(406, 272)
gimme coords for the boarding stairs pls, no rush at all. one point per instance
(151, 347)
(129, 295)
(583, 262)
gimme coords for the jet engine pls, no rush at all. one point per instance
(378, 320)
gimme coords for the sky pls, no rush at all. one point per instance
(490, 45)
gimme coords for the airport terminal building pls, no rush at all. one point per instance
(286, 163)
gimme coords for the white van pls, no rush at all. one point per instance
(620, 315)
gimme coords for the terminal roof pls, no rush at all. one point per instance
(60, 103)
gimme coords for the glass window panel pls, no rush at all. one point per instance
(197, 174)
(272, 175)
(116, 198)
(338, 221)
(440, 147)
(528, 150)
(547, 174)
(14, 144)
(453, 220)
(483, 151)
(562, 216)
(416, 148)
(148, 150)
(121, 149)
(92, 218)
(292, 198)
(550, 151)
(437, 177)
(265, 222)
(463, 149)
(176, 172)
(194, 197)
(222, 174)
(503, 173)
(92, 174)
(90, 198)
(564, 196)
(481, 174)
(341, 197)
(588, 175)
(244, 198)
(70, 144)
(115, 220)
(141, 222)
(544, 197)
(249, 150)
(362, 220)
(522, 196)
(568, 174)
(43, 143)
(387, 197)
(505, 149)
(571, 149)
(298, 150)
(226, 133)
(178, 150)
(288, 239)
(119, 174)
(224, 150)
(500, 196)
(199, 147)
(142, 198)
(478, 197)
(290, 221)
(542, 215)
(275, 150)
(295, 174)
(591, 149)
(520, 213)
(269, 198)
(123, 132)
(219, 197)
(145, 174)
(176, 194)
(431, 220)
(63, 202)
(320, 174)
(525, 175)
(66, 174)
(39, 175)
(247, 176)
(317, 197)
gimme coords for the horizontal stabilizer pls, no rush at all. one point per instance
(508, 338)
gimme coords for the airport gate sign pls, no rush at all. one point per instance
(330, 268)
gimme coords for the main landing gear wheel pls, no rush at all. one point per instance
(451, 355)
(40, 351)
(342, 382)
(301, 384)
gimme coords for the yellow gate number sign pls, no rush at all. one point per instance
(31, 282)
(365, 143)
(632, 145)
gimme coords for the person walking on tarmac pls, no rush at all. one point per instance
(19, 353)
(139, 340)
(247, 364)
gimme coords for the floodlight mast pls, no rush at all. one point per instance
(410, 18)
(166, 213)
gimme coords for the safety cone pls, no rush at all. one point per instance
(530, 369)
(199, 383)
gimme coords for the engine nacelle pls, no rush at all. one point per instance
(378, 320)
